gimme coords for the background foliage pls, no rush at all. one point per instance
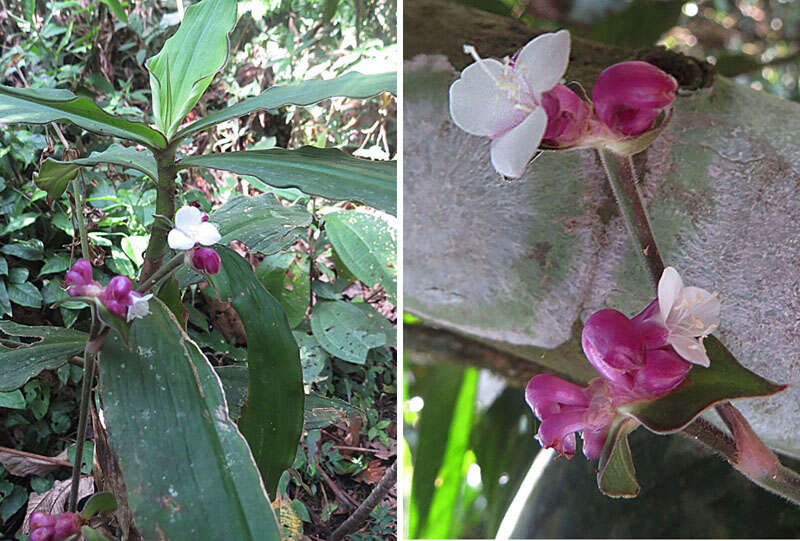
(97, 49)
(754, 41)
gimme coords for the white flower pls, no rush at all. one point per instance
(689, 313)
(503, 100)
(139, 307)
(191, 228)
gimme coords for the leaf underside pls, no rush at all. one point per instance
(616, 475)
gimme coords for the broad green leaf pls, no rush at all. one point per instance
(261, 222)
(25, 294)
(319, 411)
(313, 357)
(3, 266)
(616, 476)
(345, 331)
(235, 382)
(351, 85)
(5, 302)
(43, 105)
(367, 245)
(55, 347)
(54, 175)
(55, 264)
(290, 285)
(725, 379)
(325, 172)
(440, 517)
(32, 250)
(15, 223)
(188, 470)
(99, 502)
(183, 69)
(273, 418)
(18, 275)
(13, 400)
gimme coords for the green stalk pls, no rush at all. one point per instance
(621, 175)
(88, 354)
(749, 454)
(165, 209)
(171, 265)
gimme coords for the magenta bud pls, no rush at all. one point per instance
(206, 259)
(42, 534)
(613, 346)
(663, 371)
(80, 274)
(545, 391)
(651, 326)
(117, 296)
(41, 520)
(67, 524)
(629, 96)
(567, 116)
(593, 442)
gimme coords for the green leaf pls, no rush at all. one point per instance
(18, 275)
(5, 302)
(345, 331)
(367, 245)
(188, 470)
(290, 286)
(54, 175)
(43, 105)
(725, 379)
(3, 267)
(451, 472)
(90, 534)
(183, 69)
(351, 85)
(99, 502)
(55, 347)
(616, 476)
(118, 323)
(116, 9)
(261, 222)
(17, 222)
(322, 411)
(32, 250)
(25, 294)
(235, 382)
(55, 264)
(313, 357)
(87, 457)
(273, 418)
(325, 172)
(13, 400)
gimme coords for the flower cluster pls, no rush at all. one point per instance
(639, 359)
(117, 297)
(46, 527)
(521, 105)
(192, 229)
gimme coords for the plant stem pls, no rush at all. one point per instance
(77, 193)
(170, 266)
(165, 206)
(622, 177)
(312, 269)
(362, 513)
(745, 451)
(83, 416)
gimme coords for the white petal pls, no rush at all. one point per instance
(188, 216)
(690, 349)
(544, 60)
(179, 240)
(703, 306)
(478, 105)
(669, 291)
(207, 234)
(512, 151)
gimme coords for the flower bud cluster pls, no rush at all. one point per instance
(46, 527)
(521, 105)
(639, 359)
(117, 297)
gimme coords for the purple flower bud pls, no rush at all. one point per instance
(593, 442)
(42, 534)
(567, 116)
(79, 280)
(630, 95)
(613, 346)
(664, 370)
(41, 520)
(67, 524)
(117, 296)
(206, 259)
